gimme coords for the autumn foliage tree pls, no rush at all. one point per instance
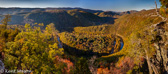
(164, 8)
(82, 67)
(4, 32)
(33, 50)
(164, 3)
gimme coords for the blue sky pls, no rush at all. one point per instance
(106, 5)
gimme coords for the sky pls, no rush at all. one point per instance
(106, 5)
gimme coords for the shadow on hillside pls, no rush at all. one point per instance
(105, 20)
(81, 53)
(109, 20)
(110, 58)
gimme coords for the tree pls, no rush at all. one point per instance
(82, 67)
(4, 32)
(163, 9)
(92, 67)
(6, 35)
(33, 50)
(141, 46)
(164, 3)
(6, 19)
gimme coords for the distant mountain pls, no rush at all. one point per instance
(63, 18)
(113, 14)
(23, 10)
(128, 12)
(68, 8)
(18, 10)
(107, 14)
(83, 15)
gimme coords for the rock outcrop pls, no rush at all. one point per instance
(160, 60)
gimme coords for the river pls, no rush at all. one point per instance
(59, 42)
(121, 43)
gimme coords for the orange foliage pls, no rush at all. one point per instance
(125, 64)
(67, 62)
(122, 67)
(103, 71)
(125, 61)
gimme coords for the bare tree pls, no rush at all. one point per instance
(92, 67)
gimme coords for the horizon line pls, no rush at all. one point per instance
(77, 7)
